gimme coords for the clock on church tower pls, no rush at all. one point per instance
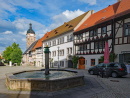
(30, 36)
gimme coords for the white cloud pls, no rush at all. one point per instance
(23, 33)
(8, 32)
(72, 14)
(23, 39)
(64, 17)
(5, 8)
(23, 24)
(91, 2)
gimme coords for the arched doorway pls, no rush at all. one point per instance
(81, 63)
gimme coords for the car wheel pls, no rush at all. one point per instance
(91, 72)
(114, 74)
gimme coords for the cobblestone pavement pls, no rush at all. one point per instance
(95, 87)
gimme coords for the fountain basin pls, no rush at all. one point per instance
(15, 82)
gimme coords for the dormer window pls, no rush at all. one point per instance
(70, 26)
(56, 31)
(67, 25)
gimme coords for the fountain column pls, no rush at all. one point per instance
(46, 51)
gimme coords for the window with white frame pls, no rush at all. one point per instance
(91, 33)
(53, 53)
(71, 37)
(99, 45)
(104, 30)
(81, 36)
(54, 42)
(68, 38)
(127, 29)
(95, 32)
(61, 52)
(96, 45)
(70, 50)
(85, 47)
(81, 48)
(58, 41)
(67, 50)
(50, 44)
(62, 40)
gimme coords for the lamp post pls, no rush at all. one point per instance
(58, 57)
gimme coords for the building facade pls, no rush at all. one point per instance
(60, 41)
(110, 24)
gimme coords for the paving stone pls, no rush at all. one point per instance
(95, 87)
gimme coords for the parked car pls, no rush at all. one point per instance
(114, 69)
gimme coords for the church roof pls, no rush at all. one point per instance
(30, 30)
(30, 47)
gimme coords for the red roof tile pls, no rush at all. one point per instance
(112, 11)
(39, 42)
(124, 8)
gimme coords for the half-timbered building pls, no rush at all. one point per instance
(109, 24)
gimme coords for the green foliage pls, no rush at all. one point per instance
(7, 52)
(101, 59)
(13, 53)
(75, 61)
(112, 57)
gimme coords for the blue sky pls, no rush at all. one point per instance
(45, 15)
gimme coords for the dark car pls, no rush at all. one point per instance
(113, 69)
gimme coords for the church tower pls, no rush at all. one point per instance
(30, 36)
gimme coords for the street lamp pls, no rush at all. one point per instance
(58, 57)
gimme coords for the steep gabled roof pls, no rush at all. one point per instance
(111, 12)
(30, 47)
(67, 26)
(100, 16)
(123, 8)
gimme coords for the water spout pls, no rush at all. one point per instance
(46, 51)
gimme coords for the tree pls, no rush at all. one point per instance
(13, 53)
(75, 61)
(7, 52)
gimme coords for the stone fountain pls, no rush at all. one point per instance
(44, 79)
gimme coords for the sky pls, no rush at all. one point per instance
(45, 15)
